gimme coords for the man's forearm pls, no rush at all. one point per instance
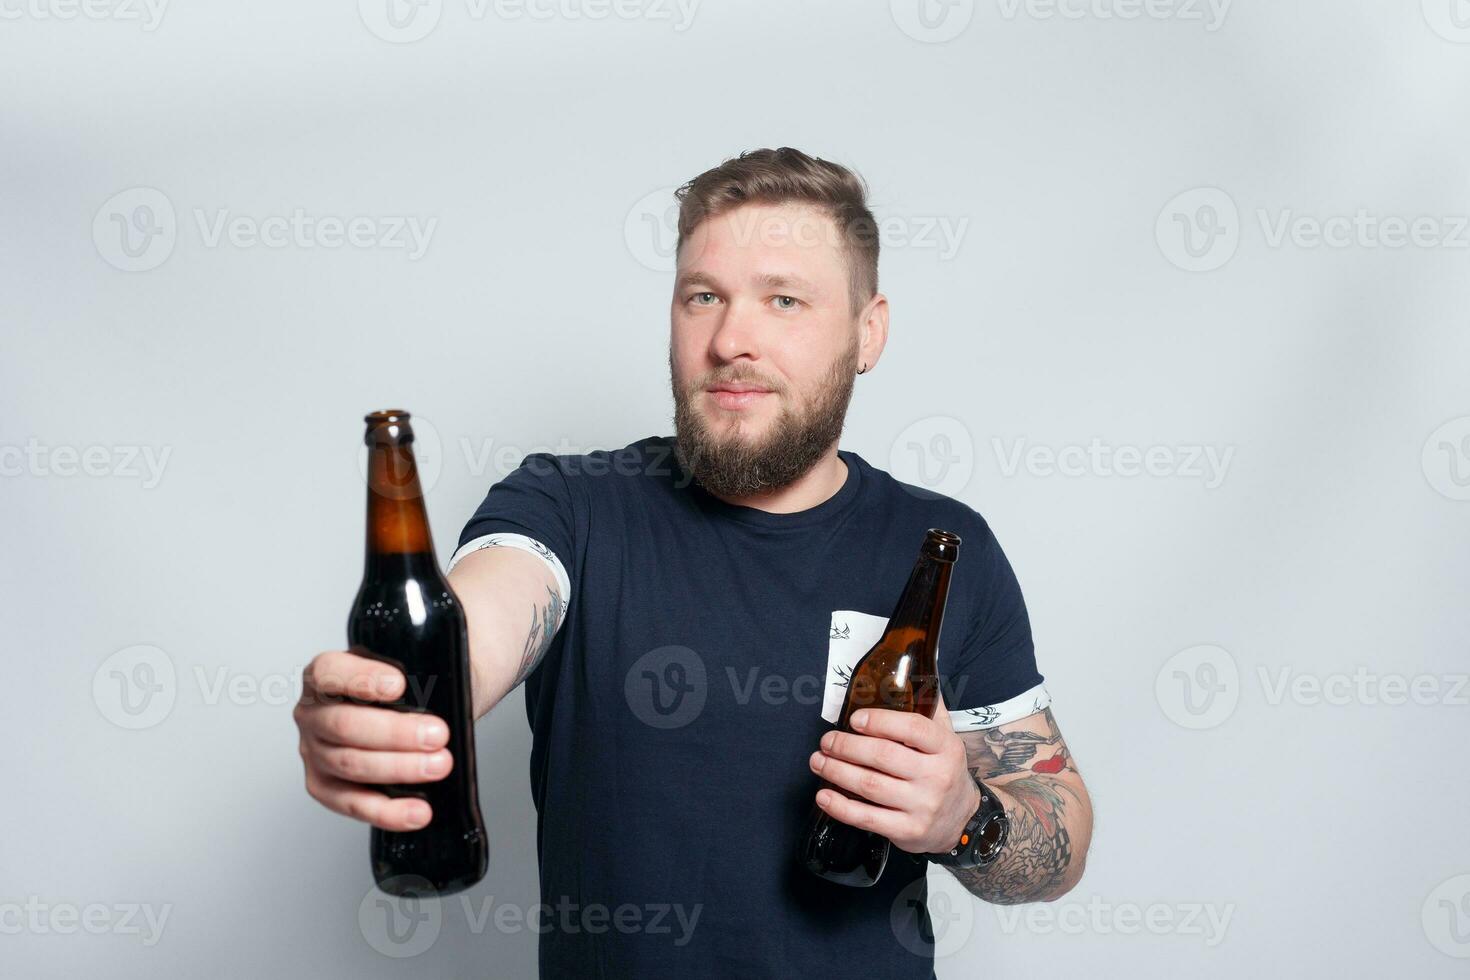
(1050, 817)
(1040, 860)
(511, 606)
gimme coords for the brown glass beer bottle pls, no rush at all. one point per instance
(406, 614)
(900, 672)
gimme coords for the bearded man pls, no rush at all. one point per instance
(679, 612)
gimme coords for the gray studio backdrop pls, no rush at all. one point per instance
(1180, 303)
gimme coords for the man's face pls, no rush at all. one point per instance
(761, 302)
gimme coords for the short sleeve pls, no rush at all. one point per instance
(992, 679)
(532, 509)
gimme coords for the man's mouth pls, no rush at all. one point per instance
(737, 395)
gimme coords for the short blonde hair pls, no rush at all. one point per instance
(785, 175)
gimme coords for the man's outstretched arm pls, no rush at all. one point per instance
(512, 601)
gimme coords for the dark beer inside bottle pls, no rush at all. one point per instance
(900, 673)
(406, 614)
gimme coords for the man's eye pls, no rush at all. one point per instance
(699, 298)
(791, 302)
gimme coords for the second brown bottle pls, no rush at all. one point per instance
(900, 672)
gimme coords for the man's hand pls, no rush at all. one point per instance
(346, 745)
(911, 772)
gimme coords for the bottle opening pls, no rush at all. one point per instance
(388, 426)
(942, 544)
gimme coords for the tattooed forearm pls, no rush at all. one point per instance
(538, 639)
(1037, 855)
(1029, 768)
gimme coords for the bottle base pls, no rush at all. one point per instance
(843, 855)
(417, 865)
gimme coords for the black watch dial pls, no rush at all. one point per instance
(990, 836)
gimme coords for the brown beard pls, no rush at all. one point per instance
(798, 439)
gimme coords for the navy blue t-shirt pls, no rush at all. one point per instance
(675, 711)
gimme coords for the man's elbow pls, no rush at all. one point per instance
(1069, 880)
(1077, 863)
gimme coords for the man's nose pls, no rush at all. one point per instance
(738, 333)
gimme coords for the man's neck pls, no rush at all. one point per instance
(818, 485)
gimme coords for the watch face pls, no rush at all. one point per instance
(990, 835)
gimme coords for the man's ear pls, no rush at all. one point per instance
(873, 330)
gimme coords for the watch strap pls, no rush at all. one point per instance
(970, 851)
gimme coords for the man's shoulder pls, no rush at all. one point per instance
(926, 504)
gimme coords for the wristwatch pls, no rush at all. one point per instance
(983, 837)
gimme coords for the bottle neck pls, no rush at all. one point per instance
(917, 618)
(398, 536)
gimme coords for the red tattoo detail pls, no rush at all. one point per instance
(1055, 764)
